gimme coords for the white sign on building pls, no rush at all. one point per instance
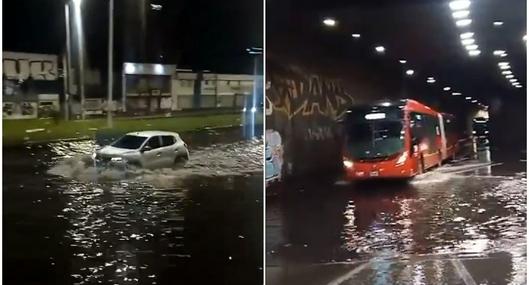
(21, 65)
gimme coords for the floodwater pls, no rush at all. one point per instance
(65, 223)
(464, 211)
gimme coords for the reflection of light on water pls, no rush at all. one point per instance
(519, 270)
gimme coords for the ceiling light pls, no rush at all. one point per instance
(356, 36)
(463, 23)
(518, 86)
(430, 80)
(329, 22)
(446, 88)
(503, 67)
(410, 72)
(467, 35)
(509, 76)
(461, 14)
(468, 98)
(498, 52)
(513, 80)
(474, 52)
(503, 63)
(456, 94)
(459, 4)
(403, 61)
(466, 42)
(498, 23)
(380, 49)
(525, 38)
(506, 72)
(471, 47)
(474, 101)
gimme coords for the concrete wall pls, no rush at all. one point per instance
(303, 107)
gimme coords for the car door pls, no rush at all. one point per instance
(168, 150)
(152, 157)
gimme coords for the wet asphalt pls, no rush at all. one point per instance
(463, 223)
(65, 223)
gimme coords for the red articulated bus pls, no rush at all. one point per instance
(396, 140)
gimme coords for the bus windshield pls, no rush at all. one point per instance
(375, 139)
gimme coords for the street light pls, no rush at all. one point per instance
(467, 42)
(474, 53)
(459, 4)
(461, 14)
(498, 23)
(467, 35)
(329, 22)
(380, 49)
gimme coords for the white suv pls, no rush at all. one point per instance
(148, 149)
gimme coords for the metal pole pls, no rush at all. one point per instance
(80, 42)
(69, 61)
(123, 91)
(110, 60)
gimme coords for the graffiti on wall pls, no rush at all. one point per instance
(21, 66)
(308, 96)
(319, 134)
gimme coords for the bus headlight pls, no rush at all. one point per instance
(348, 164)
(116, 159)
(402, 158)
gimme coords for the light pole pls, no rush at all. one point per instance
(256, 52)
(68, 66)
(80, 51)
(110, 61)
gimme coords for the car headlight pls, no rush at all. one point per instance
(348, 163)
(402, 158)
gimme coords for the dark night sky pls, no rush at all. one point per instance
(199, 34)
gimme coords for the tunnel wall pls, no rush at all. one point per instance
(303, 108)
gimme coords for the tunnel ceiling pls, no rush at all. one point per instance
(421, 31)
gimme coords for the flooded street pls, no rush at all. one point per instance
(66, 222)
(460, 224)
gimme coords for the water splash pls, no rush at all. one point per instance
(233, 159)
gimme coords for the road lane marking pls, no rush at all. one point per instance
(349, 274)
(463, 272)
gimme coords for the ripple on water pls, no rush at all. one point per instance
(121, 223)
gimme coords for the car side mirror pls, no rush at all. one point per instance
(146, 148)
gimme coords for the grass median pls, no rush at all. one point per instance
(17, 132)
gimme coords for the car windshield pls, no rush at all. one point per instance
(375, 139)
(129, 142)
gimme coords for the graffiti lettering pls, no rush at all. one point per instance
(21, 66)
(308, 96)
(319, 134)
